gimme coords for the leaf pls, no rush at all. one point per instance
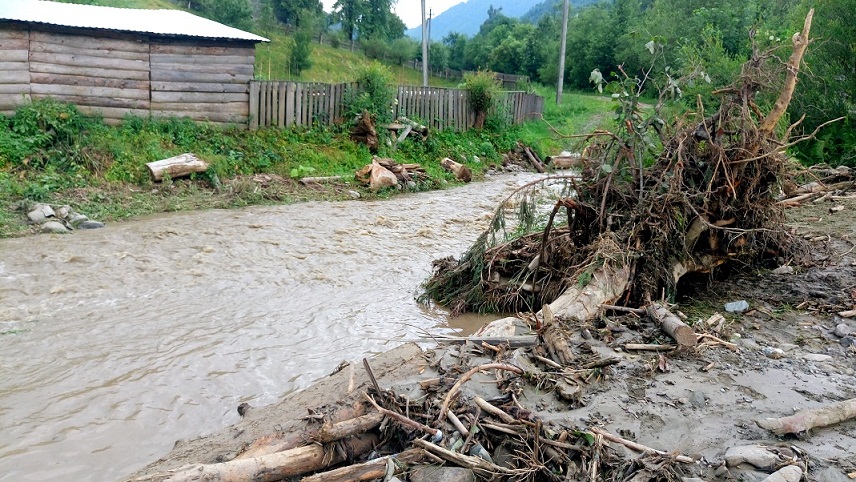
(650, 46)
(607, 168)
(588, 436)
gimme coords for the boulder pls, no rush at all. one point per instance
(54, 227)
(90, 225)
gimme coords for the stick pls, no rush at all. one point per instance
(335, 431)
(672, 325)
(375, 469)
(648, 347)
(639, 447)
(487, 407)
(437, 434)
(466, 376)
(730, 346)
(476, 464)
(518, 341)
(456, 422)
(812, 418)
(625, 309)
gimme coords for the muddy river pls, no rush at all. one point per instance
(115, 343)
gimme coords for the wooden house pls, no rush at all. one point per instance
(119, 61)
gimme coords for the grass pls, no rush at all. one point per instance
(148, 4)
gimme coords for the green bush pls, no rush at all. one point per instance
(483, 89)
(375, 94)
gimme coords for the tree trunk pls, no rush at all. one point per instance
(673, 326)
(375, 469)
(461, 172)
(178, 166)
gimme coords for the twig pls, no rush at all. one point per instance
(466, 376)
(371, 374)
(487, 407)
(639, 447)
(730, 346)
(480, 466)
(437, 434)
(456, 422)
(638, 311)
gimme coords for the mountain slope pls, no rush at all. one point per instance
(468, 16)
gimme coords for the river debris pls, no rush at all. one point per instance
(462, 173)
(385, 172)
(57, 219)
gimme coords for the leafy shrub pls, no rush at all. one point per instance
(483, 89)
(375, 93)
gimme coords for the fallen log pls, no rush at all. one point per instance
(673, 326)
(812, 418)
(554, 338)
(639, 447)
(537, 164)
(178, 166)
(607, 284)
(267, 468)
(517, 341)
(376, 176)
(565, 162)
(330, 432)
(375, 469)
(461, 172)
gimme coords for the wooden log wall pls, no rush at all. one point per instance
(286, 103)
(14, 69)
(105, 75)
(204, 81)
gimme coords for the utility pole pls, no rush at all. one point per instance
(428, 52)
(424, 48)
(562, 53)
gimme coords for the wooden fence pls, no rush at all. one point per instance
(287, 103)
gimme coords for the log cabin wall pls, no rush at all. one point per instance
(117, 74)
(14, 68)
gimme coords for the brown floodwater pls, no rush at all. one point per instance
(114, 343)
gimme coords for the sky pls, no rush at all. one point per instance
(410, 11)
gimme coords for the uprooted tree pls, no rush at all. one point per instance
(626, 230)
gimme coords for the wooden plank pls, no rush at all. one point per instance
(47, 68)
(97, 101)
(200, 87)
(254, 105)
(183, 76)
(11, 32)
(12, 100)
(14, 88)
(263, 104)
(236, 69)
(201, 97)
(117, 113)
(202, 59)
(280, 116)
(90, 61)
(290, 94)
(14, 55)
(138, 44)
(172, 48)
(50, 48)
(268, 102)
(15, 44)
(230, 107)
(10, 66)
(80, 80)
(220, 117)
(14, 77)
(298, 105)
(87, 91)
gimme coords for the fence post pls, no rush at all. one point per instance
(254, 104)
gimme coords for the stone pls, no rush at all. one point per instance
(499, 328)
(842, 329)
(354, 194)
(737, 306)
(816, 357)
(36, 216)
(790, 473)
(847, 341)
(698, 400)
(721, 472)
(784, 270)
(754, 455)
(774, 353)
(48, 211)
(90, 225)
(76, 219)
(63, 211)
(54, 227)
(833, 474)
(432, 473)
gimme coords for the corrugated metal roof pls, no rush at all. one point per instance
(156, 22)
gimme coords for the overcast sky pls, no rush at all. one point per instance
(410, 11)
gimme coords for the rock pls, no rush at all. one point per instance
(847, 341)
(841, 330)
(698, 400)
(784, 270)
(790, 473)
(833, 474)
(737, 306)
(354, 194)
(48, 211)
(54, 227)
(76, 219)
(36, 216)
(90, 225)
(774, 353)
(754, 455)
(498, 328)
(749, 343)
(63, 211)
(478, 451)
(816, 357)
(786, 347)
(721, 472)
(442, 474)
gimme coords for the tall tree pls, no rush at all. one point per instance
(348, 13)
(297, 12)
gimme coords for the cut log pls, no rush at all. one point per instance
(461, 172)
(375, 469)
(330, 432)
(555, 339)
(809, 419)
(178, 166)
(376, 176)
(364, 132)
(266, 468)
(673, 326)
(536, 163)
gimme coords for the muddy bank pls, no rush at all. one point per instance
(697, 404)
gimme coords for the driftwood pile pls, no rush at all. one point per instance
(384, 172)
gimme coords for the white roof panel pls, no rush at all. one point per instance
(155, 22)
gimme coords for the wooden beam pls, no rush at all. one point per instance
(82, 80)
(49, 68)
(90, 42)
(90, 61)
(88, 91)
(161, 86)
(181, 58)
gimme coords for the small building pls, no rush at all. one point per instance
(119, 61)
